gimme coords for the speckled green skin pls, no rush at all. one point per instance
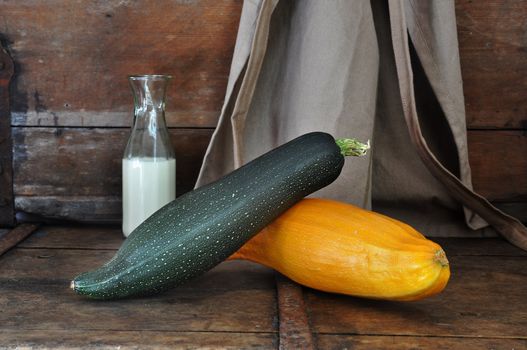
(200, 229)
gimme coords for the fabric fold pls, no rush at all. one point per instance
(345, 67)
(509, 227)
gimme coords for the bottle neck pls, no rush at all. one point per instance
(149, 136)
(148, 117)
(149, 101)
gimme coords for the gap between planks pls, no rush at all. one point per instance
(457, 336)
(294, 328)
(142, 330)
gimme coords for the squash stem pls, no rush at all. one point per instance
(441, 258)
(352, 147)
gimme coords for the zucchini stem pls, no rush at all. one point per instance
(352, 147)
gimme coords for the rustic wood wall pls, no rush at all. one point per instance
(493, 48)
(71, 106)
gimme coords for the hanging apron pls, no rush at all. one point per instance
(346, 68)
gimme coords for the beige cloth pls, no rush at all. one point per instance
(345, 67)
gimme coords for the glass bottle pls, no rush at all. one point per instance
(149, 164)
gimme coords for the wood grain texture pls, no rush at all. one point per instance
(482, 299)
(236, 300)
(89, 237)
(7, 211)
(14, 236)
(515, 209)
(493, 50)
(133, 340)
(234, 297)
(59, 266)
(74, 58)
(55, 254)
(83, 119)
(72, 61)
(294, 329)
(235, 306)
(100, 43)
(180, 310)
(73, 209)
(475, 247)
(361, 342)
(46, 158)
(499, 164)
(98, 237)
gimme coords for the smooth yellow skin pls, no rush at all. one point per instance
(339, 248)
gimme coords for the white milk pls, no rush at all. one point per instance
(148, 184)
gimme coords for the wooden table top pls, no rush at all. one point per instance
(238, 304)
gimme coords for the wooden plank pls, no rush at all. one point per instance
(493, 54)
(499, 164)
(57, 253)
(91, 209)
(45, 158)
(295, 332)
(478, 309)
(90, 119)
(27, 306)
(515, 209)
(498, 159)
(476, 247)
(128, 340)
(7, 211)
(75, 57)
(110, 238)
(490, 35)
(482, 299)
(75, 237)
(359, 342)
(236, 299)
(11, 238)
(59, 266)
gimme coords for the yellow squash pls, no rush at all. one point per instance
(339, 248)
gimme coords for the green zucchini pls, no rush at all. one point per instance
(202, 228)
